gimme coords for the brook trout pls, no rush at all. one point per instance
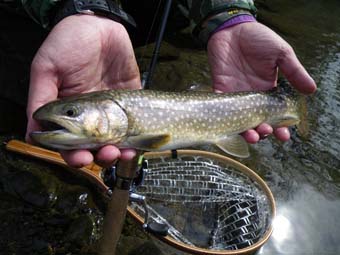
(154, 120)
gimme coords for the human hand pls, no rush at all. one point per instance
(82, 53)
(247, 57)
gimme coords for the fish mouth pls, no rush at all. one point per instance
(51, 126)
(58, 133)
(56, 126)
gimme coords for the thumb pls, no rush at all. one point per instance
(295, 73)
(43, 89)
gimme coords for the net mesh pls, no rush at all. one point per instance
(205, 202)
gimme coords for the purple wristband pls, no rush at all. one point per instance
(234, 21)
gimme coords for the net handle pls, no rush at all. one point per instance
(91, 172)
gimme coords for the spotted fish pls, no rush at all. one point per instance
(154, 120)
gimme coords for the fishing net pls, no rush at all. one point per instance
(207, 201)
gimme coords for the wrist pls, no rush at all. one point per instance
(244, 18)
(220, 14)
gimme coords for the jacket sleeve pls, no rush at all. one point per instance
(40, 10)
(208, 15)
(48, 12)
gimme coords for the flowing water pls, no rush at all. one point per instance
(303, 174)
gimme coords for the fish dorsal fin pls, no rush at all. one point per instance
(235, 146)
(149, 141)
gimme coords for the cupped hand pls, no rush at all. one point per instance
(247, 57)
(82, 53)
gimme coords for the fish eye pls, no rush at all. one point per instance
(71, 111)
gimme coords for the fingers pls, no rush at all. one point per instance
(251, 136)
(264, 130)
(128, 154)
(254, 135)
(43, 89)
(77, 158)
(105, 157)
(109, 154)
(295, 73)
(32, 125)
(282, 134)
(121, 59)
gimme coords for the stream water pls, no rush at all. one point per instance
(304, 173)
(42, 209)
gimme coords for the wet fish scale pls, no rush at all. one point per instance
(188, 111)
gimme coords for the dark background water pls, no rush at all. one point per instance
(44, 210)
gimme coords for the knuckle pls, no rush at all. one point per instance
(286, 51)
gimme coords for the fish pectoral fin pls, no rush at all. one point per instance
(234, 145)
(149, 141)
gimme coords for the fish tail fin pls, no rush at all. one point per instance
(284, 87)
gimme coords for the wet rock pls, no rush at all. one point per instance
(131, 228)
(41, 247)
(74, 199)
(80, 231)
(128, 244)
(42, 213)
(58, 220)
(146, 248)
(29, 188)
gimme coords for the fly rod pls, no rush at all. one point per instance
(147, 76)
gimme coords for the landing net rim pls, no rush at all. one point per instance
(233, 163)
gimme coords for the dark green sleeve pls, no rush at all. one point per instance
(207, 14)
(40, 10)
(210, 14)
